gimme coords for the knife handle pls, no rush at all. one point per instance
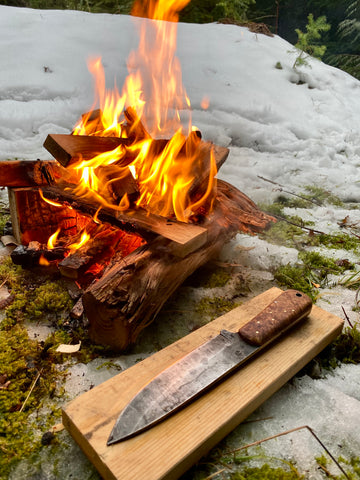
(284, 312)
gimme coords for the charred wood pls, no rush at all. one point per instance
(130, 295)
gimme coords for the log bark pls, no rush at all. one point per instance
(29, 173)
(130, 295)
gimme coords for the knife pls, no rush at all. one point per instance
(197, 371)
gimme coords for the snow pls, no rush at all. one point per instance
(292, 128)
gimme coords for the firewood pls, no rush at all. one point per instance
(185, 237)
(29, 256)
(78, 310)
(28, 173)
(129, 296)
(96, 253)
(34, 219)
(68, 149)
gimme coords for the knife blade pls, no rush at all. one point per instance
(206, 365)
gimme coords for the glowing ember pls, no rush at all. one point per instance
(152, 105)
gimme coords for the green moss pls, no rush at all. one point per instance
(313, 195)
(51, 297)
(310, 274)
(21, 360)
(211, 307)
(4, 217)
(346, 348)
(322, 196)
(217, 279)
(336, 241)
(351, 467)
(265, 472)
(285, 233)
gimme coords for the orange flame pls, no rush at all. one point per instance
(85, 237)
(50, 202)
(153, 105)
(52, 239)
(43, 262)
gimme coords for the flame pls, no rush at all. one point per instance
(52, 239)
(43, 262)
(50, 202)
(85, 237)
(152, 105)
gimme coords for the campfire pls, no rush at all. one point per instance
(131, 205)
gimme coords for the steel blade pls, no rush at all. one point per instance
(181, 383)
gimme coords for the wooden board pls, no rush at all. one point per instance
(170, 448)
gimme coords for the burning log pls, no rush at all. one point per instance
(184, 237)
(128, 296)
(23, 173)
(96, 253)
(68, 149)
(34, 255)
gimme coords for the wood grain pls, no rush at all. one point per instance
(68, 149)
(167, 450)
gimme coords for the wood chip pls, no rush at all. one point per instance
(63, 348)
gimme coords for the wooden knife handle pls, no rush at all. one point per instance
(284, 312)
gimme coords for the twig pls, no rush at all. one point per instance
(31, 389)
(346, 317)
(214, 474)
(281, 189)
(357, 297)
(257, 420)
(279, 217)
(290, 431)
(326, 471)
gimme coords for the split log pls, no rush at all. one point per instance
(34, 219)
(68, 149)
(129, 296)
(185, 237)
(29, 173)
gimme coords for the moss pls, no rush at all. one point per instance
(346, 348)
(4, 217)
(309, 275)
(322, 196)
(214, 307)
(51, 297)
(342, 241)
(217, 279)
(21, 360)
(265, 472)
(285, 233)
(351, 467)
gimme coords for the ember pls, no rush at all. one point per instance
(131, 206)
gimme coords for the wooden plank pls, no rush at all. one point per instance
(170, 448)
(70, 148)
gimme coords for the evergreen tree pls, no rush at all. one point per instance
(308, 42)
(349, 34)
(205, 11)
